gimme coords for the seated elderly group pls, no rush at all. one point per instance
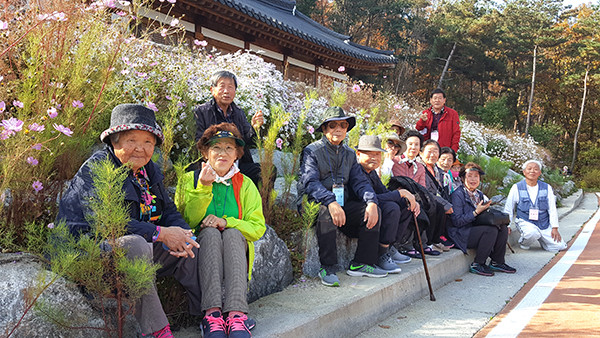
(206, 242)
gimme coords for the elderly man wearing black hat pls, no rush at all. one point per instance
(328, 172)
(396, 206)
(156, 231)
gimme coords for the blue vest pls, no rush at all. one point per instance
(541, 203)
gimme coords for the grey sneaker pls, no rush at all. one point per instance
(366, 270)
(328, 277)
(397, 257)
(386, 263)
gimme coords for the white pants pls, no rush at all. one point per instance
(531, 233)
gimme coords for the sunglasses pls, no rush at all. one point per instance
(393, 145)
(335, 124)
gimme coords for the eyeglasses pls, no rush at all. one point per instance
(219, 150)
(393, 145)
(335, 124)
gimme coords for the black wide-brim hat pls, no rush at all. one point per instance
(129, 116)
(336, 114)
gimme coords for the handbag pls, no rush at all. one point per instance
(492, 217)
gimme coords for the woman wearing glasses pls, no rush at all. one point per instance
(224, 208)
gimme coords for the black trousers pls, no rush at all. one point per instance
(355, 227)
(489, 241)
(437, 224)
(394, 221)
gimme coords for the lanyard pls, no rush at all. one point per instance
(224, 203)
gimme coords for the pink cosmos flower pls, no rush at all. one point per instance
(4, 134)
(32, 160)
(58, 16)
(174, 22)
(37, 186)
(12, 125)
(311, 130)
(171, 1)
(43, 16)
(142, 75)
(397, 106)
(50, 225)
(152, 106)
(124, 3)
(279, 143)
(121, 13)
(2, 107)
(202, 43)
(18, 104)
(52, 112)
(125, 71)
(356, 88)
(36, 127)
(109, 3)
(341, 69)
(152, 64)
(77, 104)
(63, 129)
(163, 32)
(37, 146)
(3, 25)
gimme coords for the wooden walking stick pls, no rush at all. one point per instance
(431, 296)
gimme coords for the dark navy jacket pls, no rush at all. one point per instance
(382, 193)
(462, 217)
(207, 115)
(321, 162)
(73, 206)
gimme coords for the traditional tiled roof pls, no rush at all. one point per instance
(282, 14)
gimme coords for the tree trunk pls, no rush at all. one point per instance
(532, 90)
(446, 65)
(580, 118)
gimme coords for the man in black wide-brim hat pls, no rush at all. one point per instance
(328, 172)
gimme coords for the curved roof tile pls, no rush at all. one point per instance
(280, 14)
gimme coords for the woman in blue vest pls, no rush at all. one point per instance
(487, 240)
(535, 203)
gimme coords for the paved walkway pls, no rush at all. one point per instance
(467, 304)
(563, 300)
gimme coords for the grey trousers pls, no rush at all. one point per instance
(148, 310)
(222, 258)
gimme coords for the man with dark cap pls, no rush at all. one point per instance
(221, 108)
(396, 206)
(328, 172)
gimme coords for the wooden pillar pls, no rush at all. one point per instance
(286, 64)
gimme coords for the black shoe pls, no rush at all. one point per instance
(250, 323)
(481, 269)
(502, 267)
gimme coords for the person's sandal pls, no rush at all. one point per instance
(412, 253)
(431, 252)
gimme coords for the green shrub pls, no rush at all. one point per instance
(591, 180)
(495, 113)
(546, 135)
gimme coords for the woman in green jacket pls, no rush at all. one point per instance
(224, 208)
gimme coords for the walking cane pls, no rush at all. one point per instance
(431, 296)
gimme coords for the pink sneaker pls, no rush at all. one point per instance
(165, 332)
(236, 327)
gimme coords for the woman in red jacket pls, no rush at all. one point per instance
(439, 122)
